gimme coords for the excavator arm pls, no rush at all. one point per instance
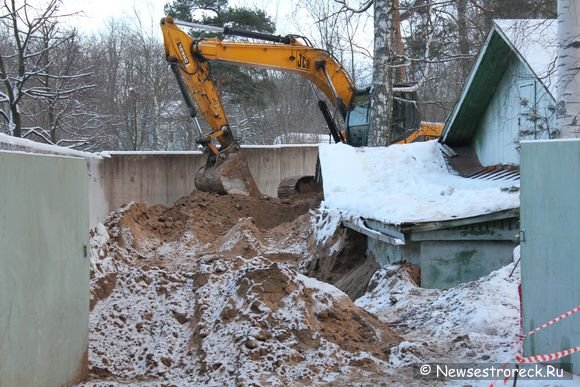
(226, 169)
(189, 59)
(198, 89)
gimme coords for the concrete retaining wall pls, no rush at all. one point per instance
(117, 178)
(164, 177)
(270, 165)
(150, 178)
(44, 270)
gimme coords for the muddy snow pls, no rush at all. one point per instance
(219, 290)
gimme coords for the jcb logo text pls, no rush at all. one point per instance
(303, 62)
(183, 54)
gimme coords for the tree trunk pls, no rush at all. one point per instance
(568, 85)
(51, 122)
(16, 121)
(401, 70)
(381, 94)
(463, 41)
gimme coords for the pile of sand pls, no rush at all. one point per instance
(207, 292)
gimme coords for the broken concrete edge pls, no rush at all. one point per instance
(360, 226)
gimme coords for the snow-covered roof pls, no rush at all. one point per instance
(536, 42)
(407, 183)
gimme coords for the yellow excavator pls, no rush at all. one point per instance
(226, 170)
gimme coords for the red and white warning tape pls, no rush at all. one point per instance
(548, 357)
(542, 358)
(551, 322)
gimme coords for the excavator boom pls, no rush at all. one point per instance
(314, 64)
(226, 170)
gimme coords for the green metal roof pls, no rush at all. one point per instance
(478, 90)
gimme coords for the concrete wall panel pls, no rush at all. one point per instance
(44, 271)
(155, 178)
(550, 249)
(98, 206)
(162, 178)
(118, 178)
(270, 165)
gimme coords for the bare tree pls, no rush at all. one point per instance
(137, 91)
(39, 75)
(381, 98)
(382, 87)
(568, 86)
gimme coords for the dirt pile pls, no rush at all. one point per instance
(207, 292)
(207, 215)
(261, 322)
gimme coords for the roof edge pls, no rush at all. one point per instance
(467, 84)
(520, 56)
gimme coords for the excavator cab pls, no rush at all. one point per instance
(406, 118)
(357, 121)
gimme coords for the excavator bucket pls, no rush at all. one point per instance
(227, 173)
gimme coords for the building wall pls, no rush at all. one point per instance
(445, 264)
(449, 256)
(521, 109)
(44, 270)
(550, 221)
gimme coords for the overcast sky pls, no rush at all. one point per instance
(289, 18)
(96, 12)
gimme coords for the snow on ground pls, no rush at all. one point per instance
(405, 183)
(475, 321)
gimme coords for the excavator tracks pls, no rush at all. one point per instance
(296, 185)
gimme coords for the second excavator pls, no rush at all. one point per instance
(226, 169)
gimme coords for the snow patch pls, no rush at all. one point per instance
(405, 183)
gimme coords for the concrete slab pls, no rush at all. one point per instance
(44, 270)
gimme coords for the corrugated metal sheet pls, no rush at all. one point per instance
(464, 161)
(498, 172)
